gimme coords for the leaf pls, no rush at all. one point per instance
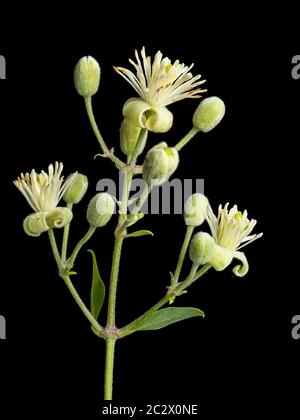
(133, 218)
(139, 233)
(97, 290)
(167, 316)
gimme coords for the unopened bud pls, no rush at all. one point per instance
(35, 224)
(160, 163)
(59, 217)
(208, 114)
(195, 209)
(76, 189)
(202, 247)
(129, 135)
(87, 76)
(100, 209)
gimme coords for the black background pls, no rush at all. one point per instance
(241, 358)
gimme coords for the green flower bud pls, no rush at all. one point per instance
(59, 217)
(202, 247)
(208, 114)
(129, 135)
(160, 163)
(142, 114)
(76, 189)
(195, 209)
(35, 224)
(100, 209)
(87, 76)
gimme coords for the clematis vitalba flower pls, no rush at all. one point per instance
(158, 84)
(43, 192)
(231, 231)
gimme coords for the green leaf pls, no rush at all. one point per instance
(97, 290)
(133, 218)
(167, 316)
(139, 233)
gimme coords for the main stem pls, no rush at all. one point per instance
(111, 312)
(109, 368)
(111, 329)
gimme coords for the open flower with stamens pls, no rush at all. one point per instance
(43, 192)
(158, 84)
(231, 231)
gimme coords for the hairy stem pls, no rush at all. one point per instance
(69, 284)
(186, 139)
(80, 244)
(66, 237)
(109, 368)
(188, 235)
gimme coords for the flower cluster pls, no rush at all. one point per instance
(230, 231)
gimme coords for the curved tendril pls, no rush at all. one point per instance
(241, 270)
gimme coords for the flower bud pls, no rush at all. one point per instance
(202, 247)
(76, 189)
(59, 217)
(87, 76)
(208, 114)
(129, 135)
(195, 209)
(35, 224)
(141, 114)
(100, 209)
(160, 163)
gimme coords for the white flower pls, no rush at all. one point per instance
(231, 232)
(161, 83)
(43, 191)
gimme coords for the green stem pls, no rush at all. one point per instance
(80, 244)
(193, 276)
(82, 306)
(55, 249)
(66, 237)
(188, 235)
(70, 286)
(90, 113)
(186, 138)
(109, 368)
(107, 153)
(111, 312)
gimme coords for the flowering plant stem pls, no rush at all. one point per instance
(63, 274)
(172, 292)
(66, 237)
(188, 235)
(186, 138)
